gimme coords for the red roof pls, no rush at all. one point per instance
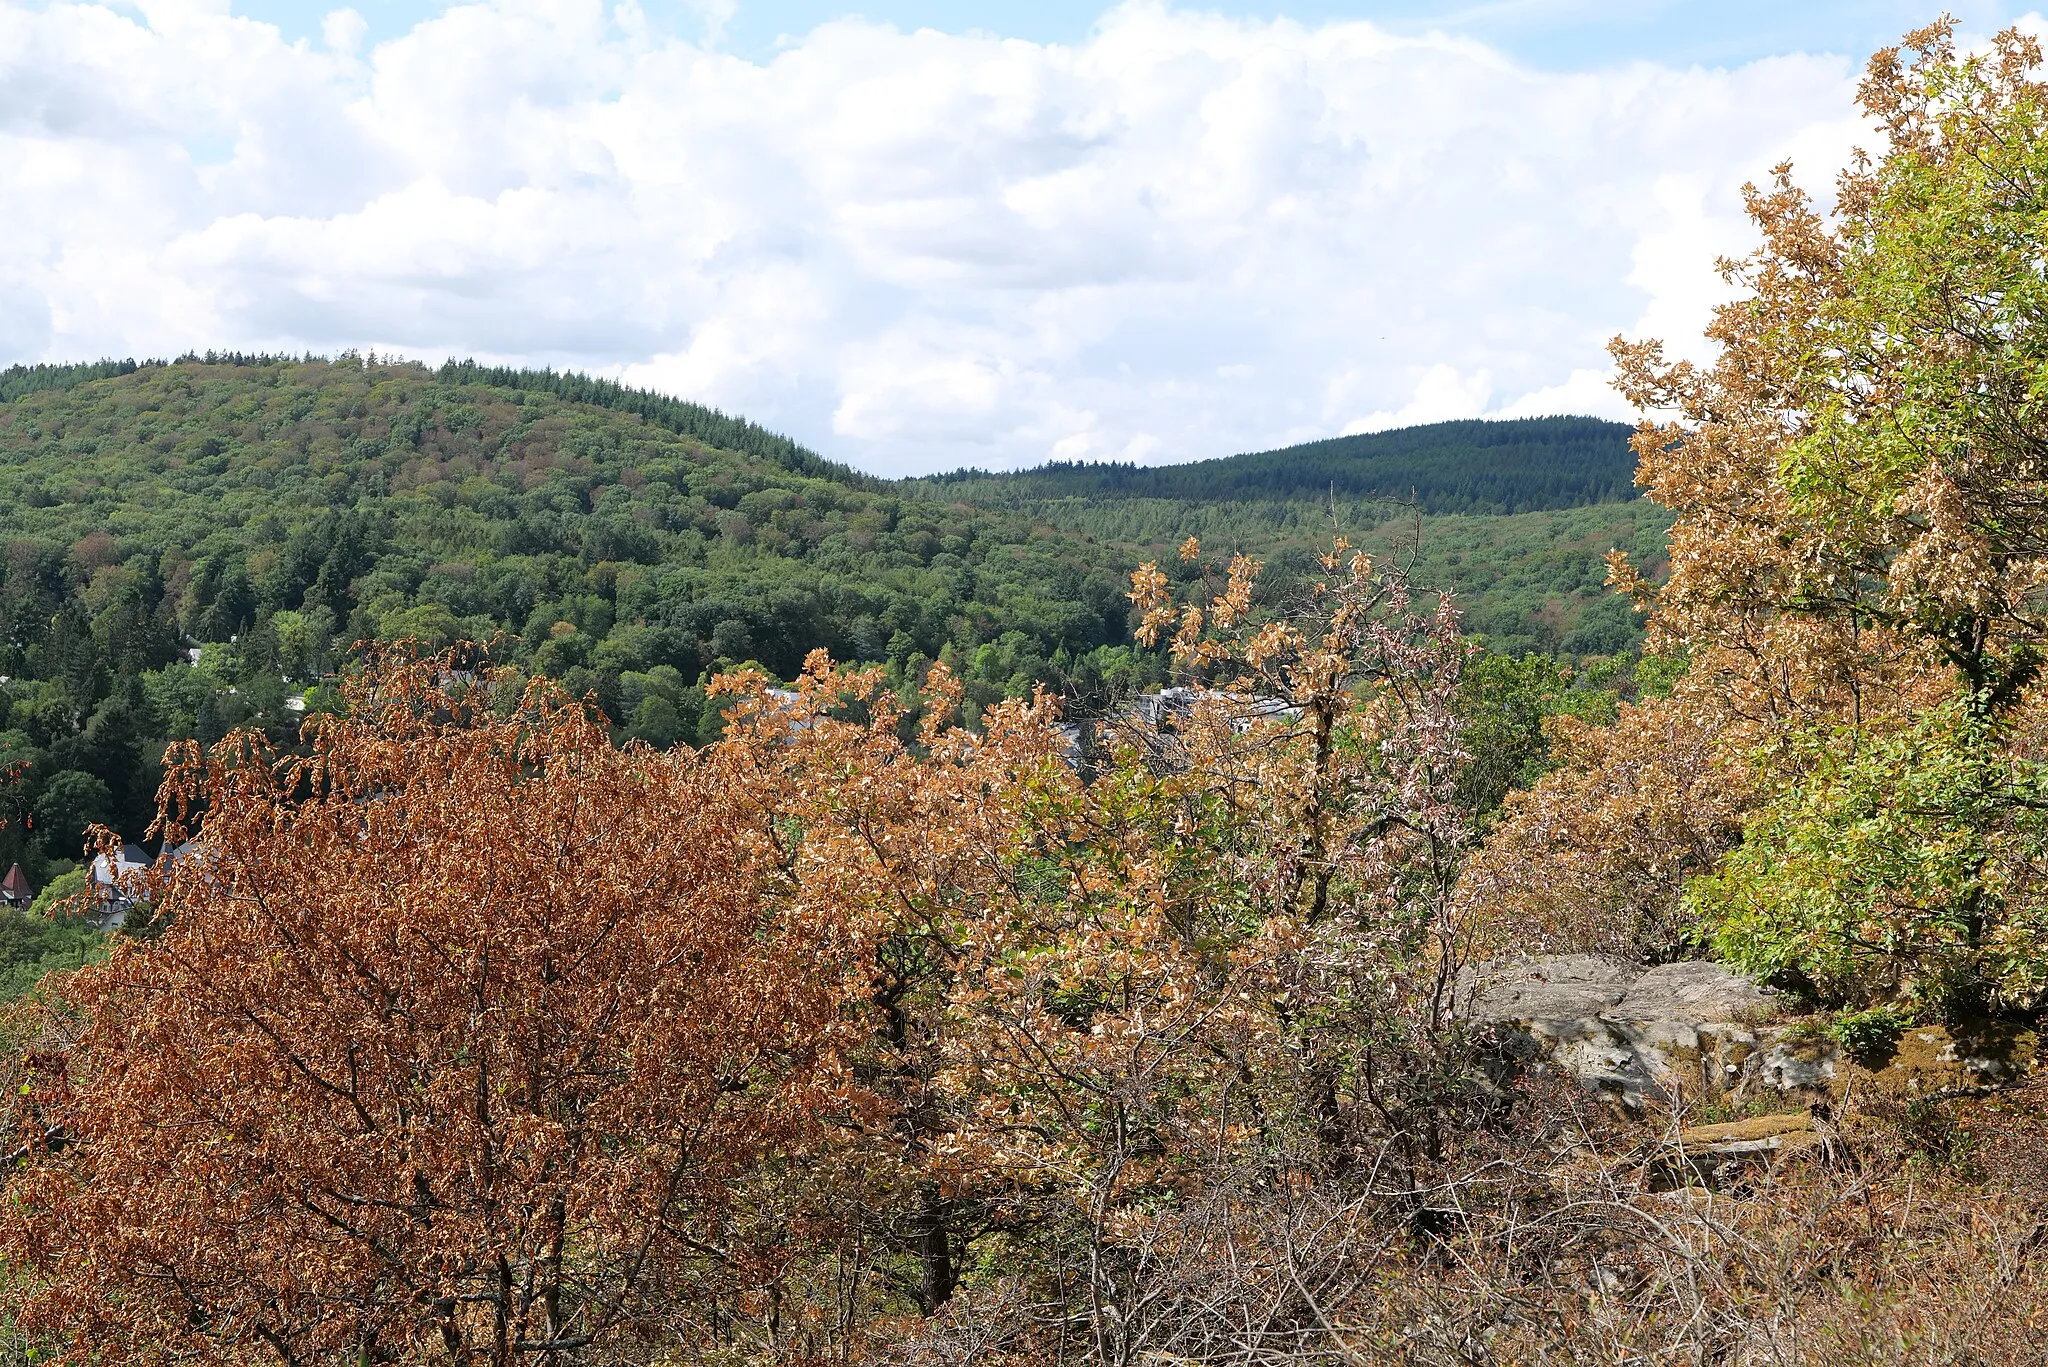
(15, 886)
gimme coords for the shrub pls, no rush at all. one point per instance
(1905, 864)
(1869, 1036)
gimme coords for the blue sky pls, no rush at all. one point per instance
(1556, 34)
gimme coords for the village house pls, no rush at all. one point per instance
(112, 879)
(15, 890)
(115, 880)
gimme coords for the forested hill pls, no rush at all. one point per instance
(380, 499)
(1477, 466)
(707, 425)
(195, 545)
(264, 513)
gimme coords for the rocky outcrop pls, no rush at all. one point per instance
(1556, 987)
(1695, 990)
(1642, 1033)
(1701, 1031)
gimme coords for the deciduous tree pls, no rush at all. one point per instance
(457, 1035)
(1860, 553)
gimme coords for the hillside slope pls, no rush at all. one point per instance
(275, 511)
(263, 513)
(396, 498)
(1476, 466)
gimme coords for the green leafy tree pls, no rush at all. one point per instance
(57, 892)
(1910, 867)
(657, 722)
(731, 640)
(1505, 701)
(70, 801)
(32, 947)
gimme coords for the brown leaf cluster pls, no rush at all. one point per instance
(457, 1032)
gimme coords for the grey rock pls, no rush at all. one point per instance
(1633, 1032)
(1602, 1058)
(1795, 1065)
(1695, 990)
(1553, 987)
(1696, 1057)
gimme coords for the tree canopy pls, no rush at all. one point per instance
(1857, 573)
(455, 1035)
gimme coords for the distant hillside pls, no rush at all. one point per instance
(266, 512)
(1515, 466)
(389, 497)
(707, 425)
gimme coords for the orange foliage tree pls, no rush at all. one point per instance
(455, 1038)
(1594, 858)
(1859, 559)
(1102, 993)
(1859, 474)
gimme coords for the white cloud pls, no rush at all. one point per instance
(1583, 391)
(343, 30)
(1187, 236)
(1440, 395)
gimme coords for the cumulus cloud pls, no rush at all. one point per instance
(1185, 237)
(343, 30)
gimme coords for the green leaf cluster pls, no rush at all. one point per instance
(1904, 866)
(1506, 702)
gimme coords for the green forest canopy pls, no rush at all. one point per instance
(1477, 466)
(194, 545)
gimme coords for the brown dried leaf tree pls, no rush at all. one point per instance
(1104, 1010)
(454, 1040)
